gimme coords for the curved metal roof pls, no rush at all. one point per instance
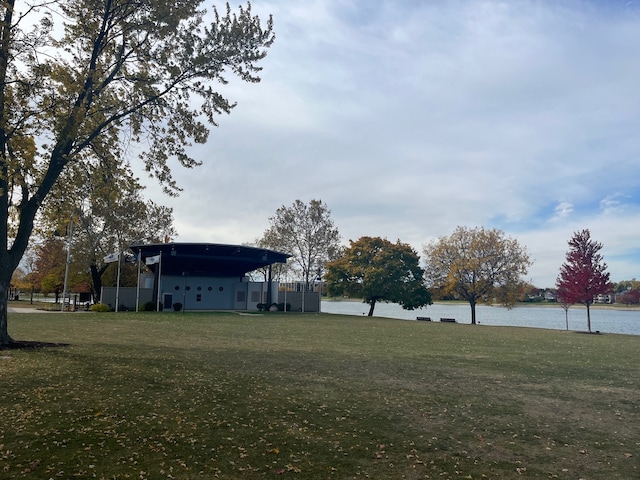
(208, 259)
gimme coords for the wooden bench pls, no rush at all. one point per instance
(424, 319)
(448, 320)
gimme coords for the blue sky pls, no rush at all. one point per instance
(410, 118)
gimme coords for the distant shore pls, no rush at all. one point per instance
(599, 306)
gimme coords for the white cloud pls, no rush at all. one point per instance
(612, 203)
(562, 211)
(411, 118)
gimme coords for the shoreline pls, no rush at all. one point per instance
(599, 306)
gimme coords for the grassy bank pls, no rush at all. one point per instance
(316, 396)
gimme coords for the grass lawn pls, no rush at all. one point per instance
(222, 395)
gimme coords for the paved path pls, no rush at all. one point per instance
(27, 310)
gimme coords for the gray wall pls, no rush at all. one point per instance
(126, 296)
(311, 301)
(197, 293)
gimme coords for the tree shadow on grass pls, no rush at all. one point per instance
(30, 345)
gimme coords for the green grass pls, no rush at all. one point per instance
(203, 395)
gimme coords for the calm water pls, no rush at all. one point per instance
(602, 319)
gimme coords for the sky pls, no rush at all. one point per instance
(410, 118)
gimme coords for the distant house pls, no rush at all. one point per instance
(604, 298)
(550, 296)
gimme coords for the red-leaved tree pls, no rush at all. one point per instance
(583, 275)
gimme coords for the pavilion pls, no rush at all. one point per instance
(203, 276)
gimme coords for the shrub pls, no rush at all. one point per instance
(149, 307)
(177, 307)
(281, 307)
(100, 307)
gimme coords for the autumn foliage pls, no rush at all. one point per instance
(478, 265)
(583, 276)
(82, 82)
(375, 269)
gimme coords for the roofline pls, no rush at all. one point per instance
(165, 246)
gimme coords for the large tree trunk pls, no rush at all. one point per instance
(96, 279)
(5, 339)
(473, 311)
(372, 305)
(10, 257)
(9, 260)
(6, 268)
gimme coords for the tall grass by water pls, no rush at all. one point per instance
(223, 395)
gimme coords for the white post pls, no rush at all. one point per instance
(118, 282)
(138, 284)
(184, 291)
(66, 269)
(159, 280)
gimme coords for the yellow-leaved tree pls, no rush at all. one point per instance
(80, 80)
(478, 265)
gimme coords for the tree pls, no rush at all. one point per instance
(627, 286)
(23, 277)
(106, 220)
(49, 265)
(307, 233)
(376, 269)
(478, 265)
(278, 272)
(20, 281)
(583, 275)
(120, 72)
(565, 306)
(629, 297)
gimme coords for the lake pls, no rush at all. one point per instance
(610, 320)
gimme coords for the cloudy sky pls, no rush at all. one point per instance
(409, 118)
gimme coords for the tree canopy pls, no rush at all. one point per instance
(376, 269)
(49, 265)
(478, 265)
(307, 232)
(80, 81)
(105, 219)
(583, 275)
